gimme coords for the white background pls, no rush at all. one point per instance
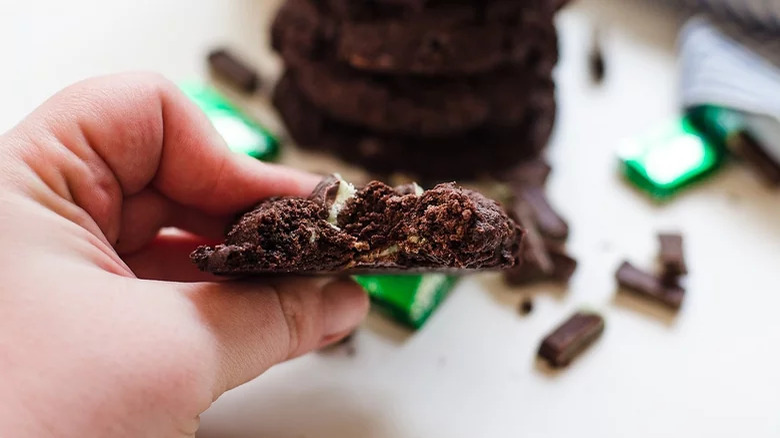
(471, 372)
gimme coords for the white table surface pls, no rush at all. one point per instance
(710, 371)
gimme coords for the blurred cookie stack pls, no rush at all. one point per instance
(436, 88)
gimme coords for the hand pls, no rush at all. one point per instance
(106, 328)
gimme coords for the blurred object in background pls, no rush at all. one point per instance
(761, 15)
(737, 68)
(440, 91)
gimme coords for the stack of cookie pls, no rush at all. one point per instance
(435, 88)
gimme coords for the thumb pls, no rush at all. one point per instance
(256, 325)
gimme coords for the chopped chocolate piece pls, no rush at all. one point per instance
(373, 229)
(533, 172)
(649, 286)
(535, 254)
(550, 224)
(571, 338)
(747, 147)
(233, 70)
(526, 306)
(672, 255)
(563, 267)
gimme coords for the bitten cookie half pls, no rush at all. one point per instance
(378, 228)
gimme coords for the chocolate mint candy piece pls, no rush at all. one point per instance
(550, 224)
(563, 267)
(649, 286)
(571, 338)
(672, 255)
(234, 71)
(535, 253)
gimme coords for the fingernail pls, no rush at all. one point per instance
(345, 304)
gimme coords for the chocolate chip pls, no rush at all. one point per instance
(649, 286)
(326, 191)
(571, 338)
(234, 71)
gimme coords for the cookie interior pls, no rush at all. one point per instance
(375, 228)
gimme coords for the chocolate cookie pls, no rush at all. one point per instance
(452, 40)
(470, 154)
(374, 229)
(417, 106)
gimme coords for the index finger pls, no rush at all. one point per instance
(129, 131)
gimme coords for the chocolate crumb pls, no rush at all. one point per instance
(526, 306)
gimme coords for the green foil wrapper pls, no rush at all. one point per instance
(408, 299)
(242, 134)
(678, 153)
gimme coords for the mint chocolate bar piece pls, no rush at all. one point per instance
(571, 338)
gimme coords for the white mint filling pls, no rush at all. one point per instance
(417, 189)
(346, 191)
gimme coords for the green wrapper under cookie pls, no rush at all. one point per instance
(241, 133)
(409, 299)
(678, 153)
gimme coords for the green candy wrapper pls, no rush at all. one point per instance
(678, 153)
(408, 299)
(241, 133)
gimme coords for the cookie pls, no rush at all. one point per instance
(473, 153)
(417, 106)
(439, 41)
(454, 12)
(340, 229)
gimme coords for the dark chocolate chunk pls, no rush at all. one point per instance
(650, 286)
(747, 147)
(672, 255)
(550, 224)
(373, 229)
(526, 306)
(233, 70)
(571, 338)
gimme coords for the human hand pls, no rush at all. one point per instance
(106, 328)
